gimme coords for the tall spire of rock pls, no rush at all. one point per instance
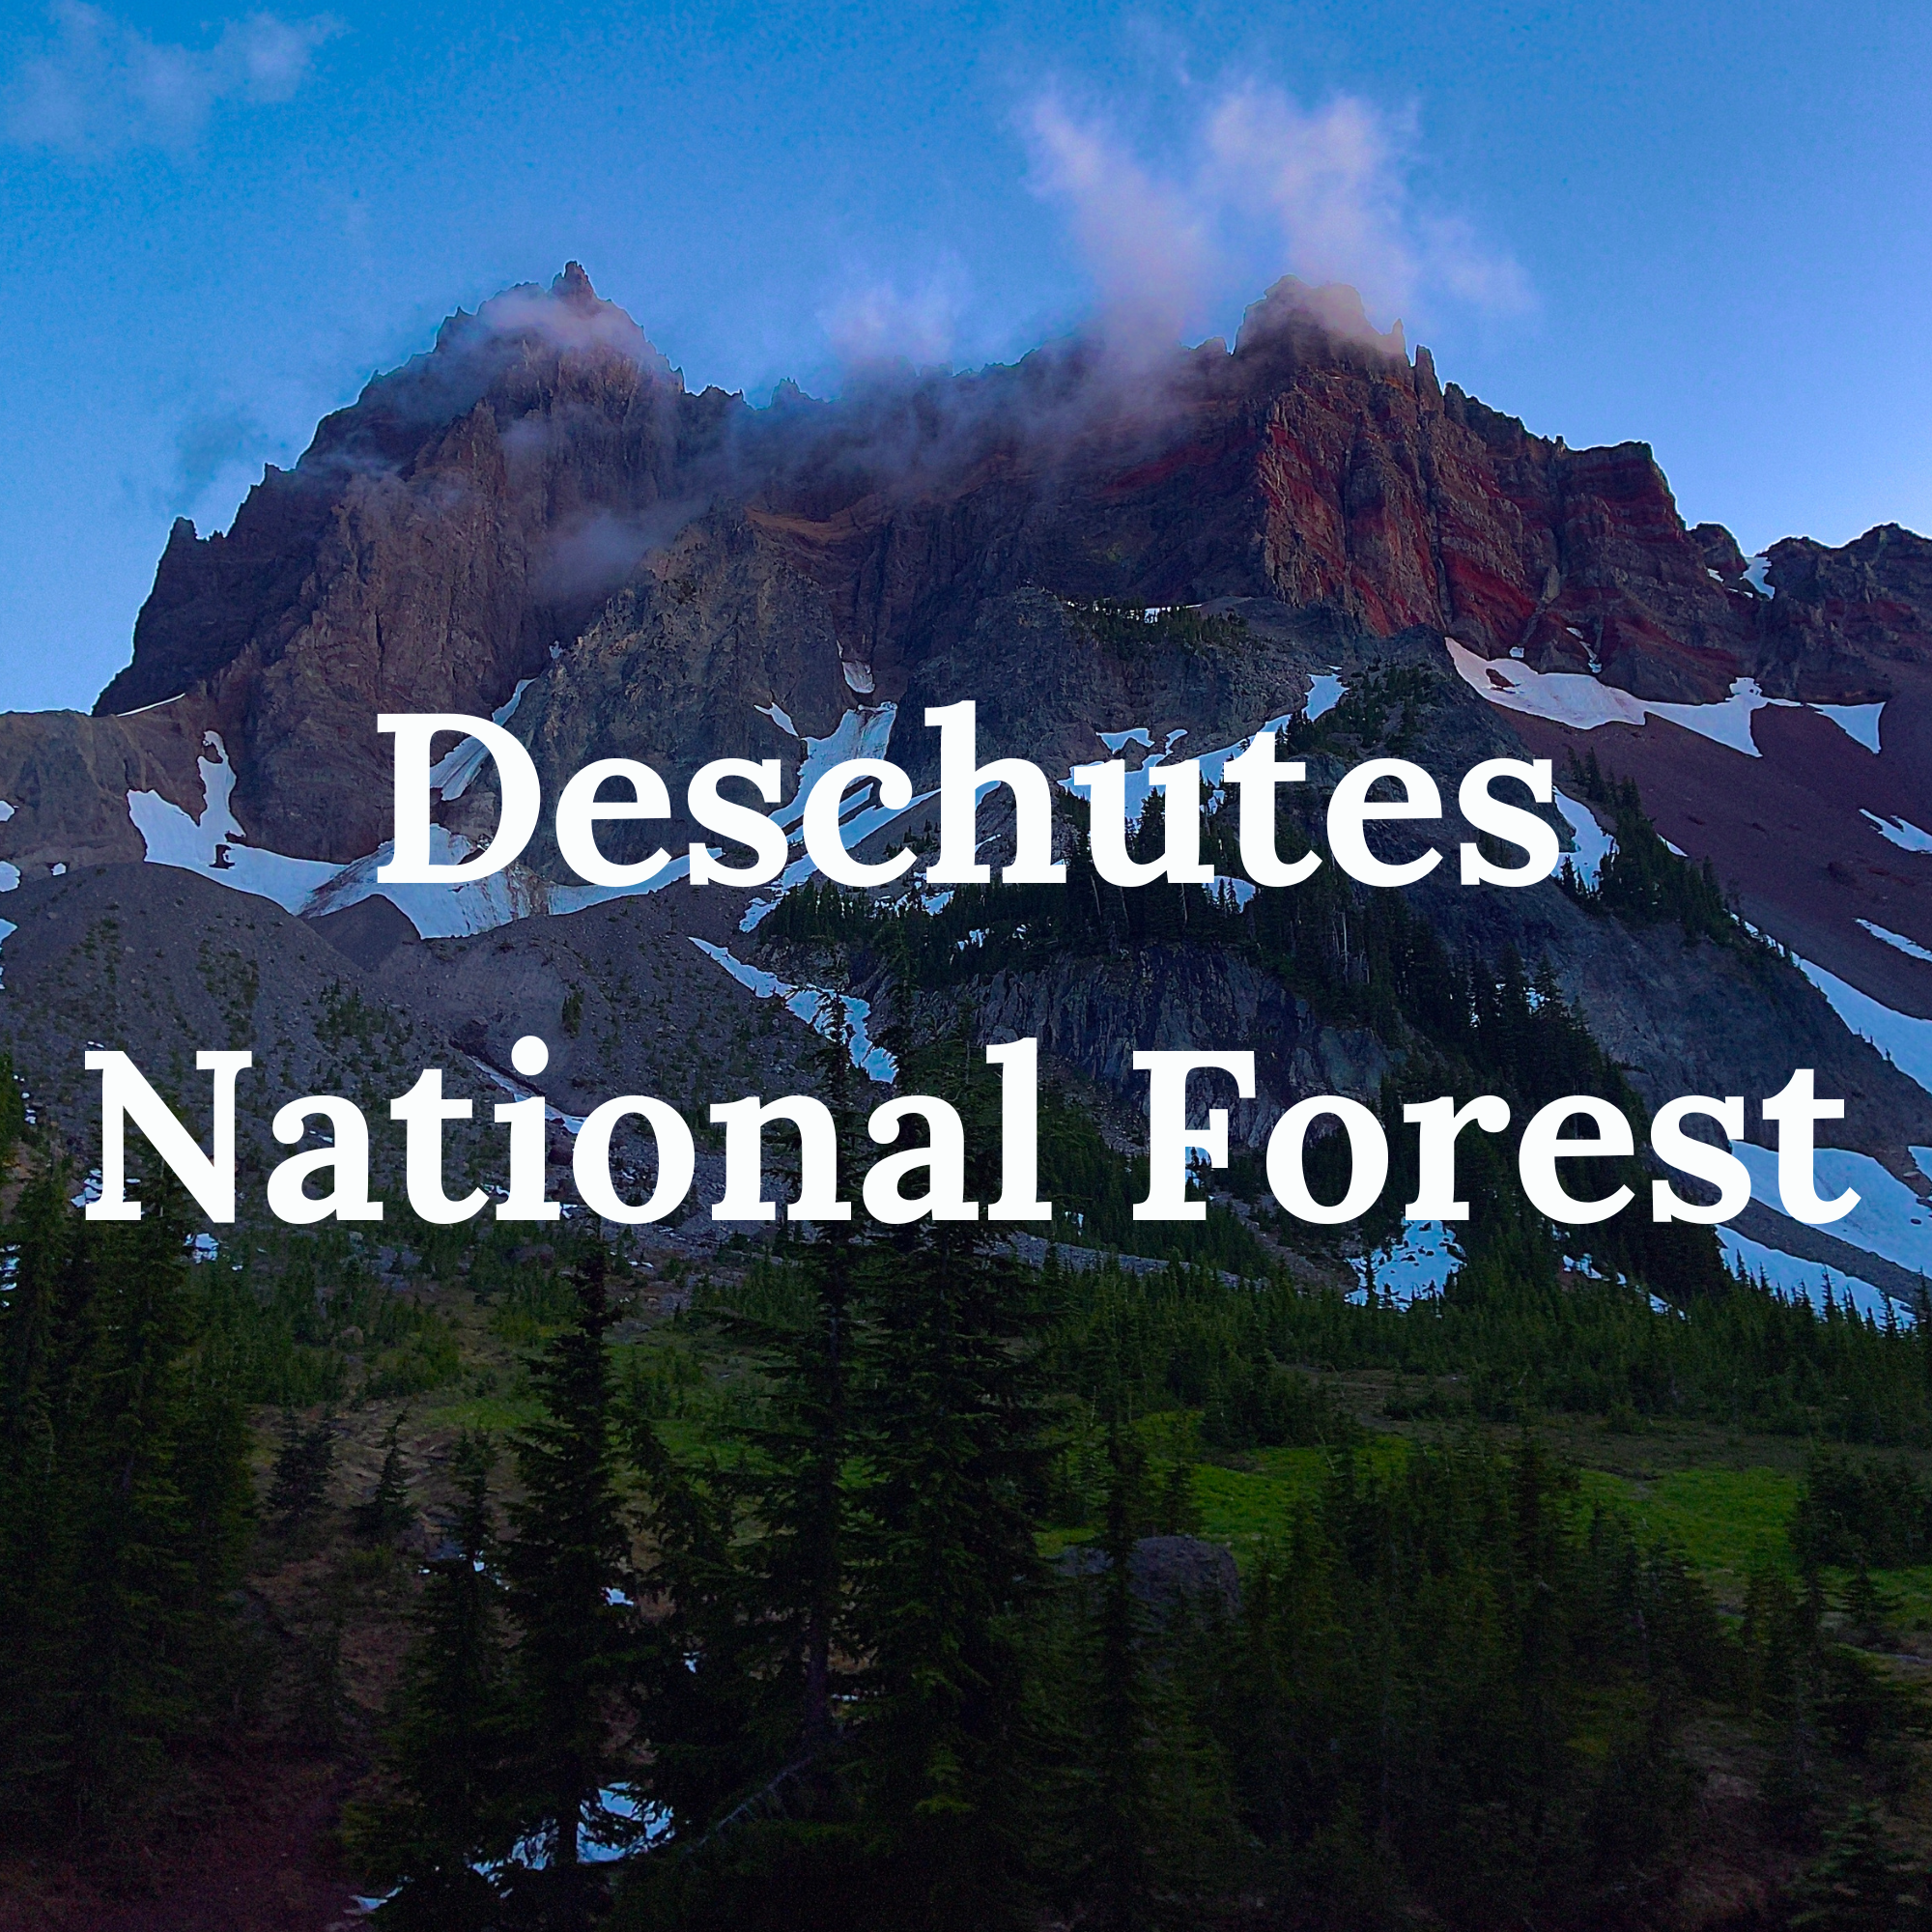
(572, 286)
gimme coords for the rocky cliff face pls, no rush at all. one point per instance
(477, 507)
(537, 517)
(434, 541)
(1846, 615)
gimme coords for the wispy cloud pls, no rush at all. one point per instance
(1264, 186)
(97, 84)
(882, 324)
(1148, 243)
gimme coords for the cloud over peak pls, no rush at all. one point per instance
(882, 324)
(1264, 186)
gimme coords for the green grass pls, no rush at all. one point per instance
(1248, 1507)
(492, 1414)
(1243, 1510)
(1728, 1522)
(696, 1441)
(1907, 1594)
(1379, 1455)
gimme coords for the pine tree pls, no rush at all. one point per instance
(794, 1481)
(300, 1482)
(710, 1710)
(952, 1438)
(39, 1312)
(322, 1691)
(47, 1341)
(572, 1593)
(159, 1495)
(752, 1560)
(954, 1442)
(752, 1568)
(1121, 1799)
(1859, 1884)
(1137, 1791)
(1179, 1511)
(384, 1512)
(447, 1747)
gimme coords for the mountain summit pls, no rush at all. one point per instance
(478, 505)
(536, 519)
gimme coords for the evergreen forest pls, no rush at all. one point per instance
(874, 1577)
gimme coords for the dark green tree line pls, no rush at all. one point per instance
(124, 1502)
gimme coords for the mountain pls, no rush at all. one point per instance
(536, 519)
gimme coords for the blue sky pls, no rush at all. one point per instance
(1710, 228)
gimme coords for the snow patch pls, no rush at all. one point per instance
(1565, 698)
(1792, 1277)
(1901, 831)
(1858, 721)
(1897, 939)
(572, 1124)
(452, 773)
(1890, 1221)
(1725, 723)
(436, 912)
(451, 912)
(214, 845)
(1583, 702)
(1905, 1042)
(1593, 843)
(1754, 575)
(1325, 691)
(1139, 784)
(812, 1004)
(864, 734)
(477, 905)
(7, 929)
(1415, 1263)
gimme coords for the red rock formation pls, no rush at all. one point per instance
(476, 507)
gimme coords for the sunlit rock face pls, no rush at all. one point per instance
(483, 504)
(536, 520)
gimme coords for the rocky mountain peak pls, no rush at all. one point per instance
(478, 508)
(565, 320)
(1294, 310)
(573, 285)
